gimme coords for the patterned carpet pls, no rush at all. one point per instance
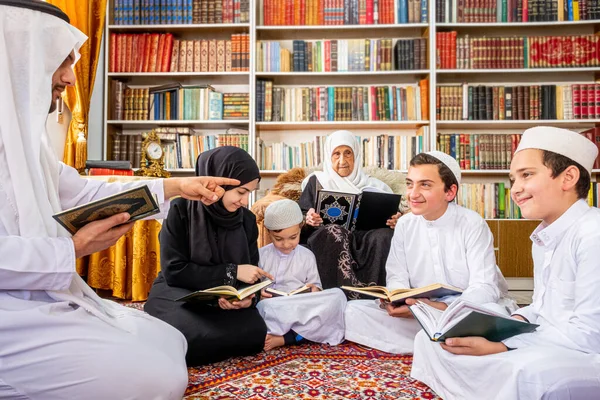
(308, 371)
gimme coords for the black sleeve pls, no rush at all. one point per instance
(177, 268)
(252, 232)
(309, 195)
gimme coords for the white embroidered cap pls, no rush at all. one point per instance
(448, 161)
(282, 214)
(561, 141)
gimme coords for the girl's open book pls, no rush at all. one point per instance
(229, 292)
(463, 319)
(398, 296)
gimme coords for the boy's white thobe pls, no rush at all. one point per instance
(456, 249)
(58, 350)
(561, 359)
(317, 316)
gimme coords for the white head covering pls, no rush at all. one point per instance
(357, 181)
(282, 214)
(33, 44)
(449, 162)
(561, 141)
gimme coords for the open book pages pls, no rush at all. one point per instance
(228, 292)
(398, 296)
(463, 318)
(278, 293)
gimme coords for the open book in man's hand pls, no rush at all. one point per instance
(279, 293)
(229, 292)
(463, 319)
(398, 296)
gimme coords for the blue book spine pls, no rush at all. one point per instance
(453, 145)
(330, 103)
(117, 6)
(136, 12)
(403, 11)
(190, 11)
(424, 11)
(163, 11)
(570, 10)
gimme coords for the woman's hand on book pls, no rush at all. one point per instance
(435, 304)
(473, 346)
(250, 274)
(206, 189)
(101, 234)
(235, 305)
(313, 219)
(265, 294)
(393, 220)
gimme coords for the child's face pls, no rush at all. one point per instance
(237, 197)
(533, 189)
(286, 240)
(425, 191)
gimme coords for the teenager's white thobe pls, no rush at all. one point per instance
(53, 349)
(317, 316)
(456, 249)
(561, 359)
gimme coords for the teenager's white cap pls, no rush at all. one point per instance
(561, 141)
(448, 161)
(282, 214)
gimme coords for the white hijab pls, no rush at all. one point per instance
(357, 181)
(33, 45)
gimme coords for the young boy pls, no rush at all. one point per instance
(318, 316)
(550, 175)
(438, 242)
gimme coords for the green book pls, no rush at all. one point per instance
(462, 319)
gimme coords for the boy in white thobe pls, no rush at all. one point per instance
(438, 242)
(551, 178)
(317, 316)
(58, 339)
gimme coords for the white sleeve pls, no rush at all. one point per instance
(396, 267)
(75, 190)
(312, 272)
(483, 273)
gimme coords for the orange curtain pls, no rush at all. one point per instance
(88, 17)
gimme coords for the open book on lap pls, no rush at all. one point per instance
(398, 296)
(363, 211)
(279, 293)
(462, 319)
(229, 292)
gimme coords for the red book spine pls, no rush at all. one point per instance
(113, 52)
(576, 102)
(166, 55)
(583, 97)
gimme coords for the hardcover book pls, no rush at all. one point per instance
(398, 296)
(229, 292)
(138, 202)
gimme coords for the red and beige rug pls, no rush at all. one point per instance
(309, 371)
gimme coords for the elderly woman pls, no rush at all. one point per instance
(344, 258)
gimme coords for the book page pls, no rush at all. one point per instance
(253, 289)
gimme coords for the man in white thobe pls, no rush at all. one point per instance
(551, 178)
(58, 339)
(438, 242)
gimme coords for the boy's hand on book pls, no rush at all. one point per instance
(235, 305)
(265, 294)
(313, 218)
(101, 234)
(251, 274)
(473, 346)
(393, 220)
(313, 287)
(435, 304)
(206, 189)
(398, 312)
(519, 317)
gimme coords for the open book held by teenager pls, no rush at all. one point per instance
(398, 296)
(462, 319)
(229, 292)
(279, 293)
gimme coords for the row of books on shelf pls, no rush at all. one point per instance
(532, 102)
(177, 102)
(384, 151)
(181, 145)
(466, 52)
(342, 55)
(343, 12)
(492, 151)
(161, 12)
(154, 52)
(461, 11)
(349, 103)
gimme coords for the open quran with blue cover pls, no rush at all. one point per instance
(363, 211)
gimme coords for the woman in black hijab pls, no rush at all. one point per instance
(206, 246)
